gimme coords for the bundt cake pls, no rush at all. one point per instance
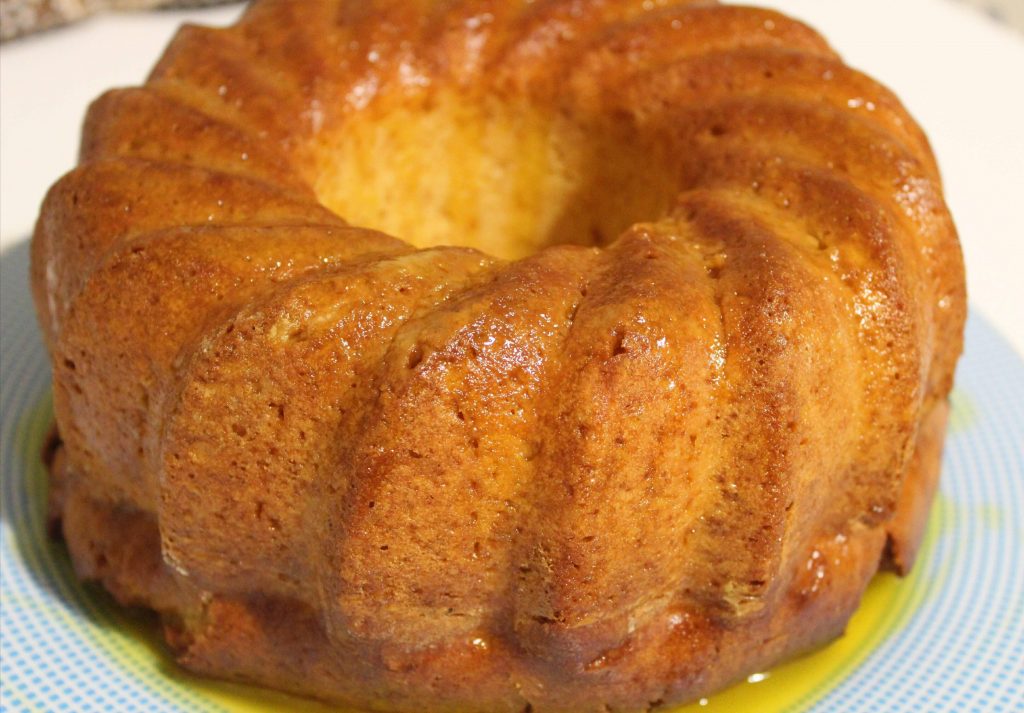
(650, 383)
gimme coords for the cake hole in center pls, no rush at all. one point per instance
(508, 179)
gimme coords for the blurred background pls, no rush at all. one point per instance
(19, 18)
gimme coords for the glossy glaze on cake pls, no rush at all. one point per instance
(675, 394)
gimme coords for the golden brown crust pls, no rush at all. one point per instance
(909, 520)
(592, 478)
(281, 642)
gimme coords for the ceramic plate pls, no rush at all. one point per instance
(948, 638)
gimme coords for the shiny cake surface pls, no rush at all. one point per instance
(564, 355)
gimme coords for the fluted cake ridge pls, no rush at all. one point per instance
(555, 355)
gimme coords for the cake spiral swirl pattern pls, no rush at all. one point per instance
(556, 355)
